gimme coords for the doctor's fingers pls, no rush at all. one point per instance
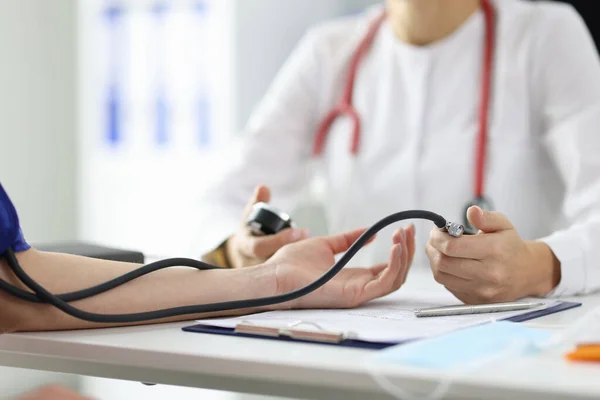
(261, 194)
(442, 264)
(470, 291)
(475, 247)
(265, 246)
(481, 282)
(468, 296)
(453, 283)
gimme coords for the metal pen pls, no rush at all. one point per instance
(476, 309)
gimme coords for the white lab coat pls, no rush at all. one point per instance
(419, 111)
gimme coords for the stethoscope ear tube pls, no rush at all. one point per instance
(345, 106)
(43, 295)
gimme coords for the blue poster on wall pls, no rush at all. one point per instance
(161, 116)
(114, 96)
(158, 90)
(203, 95)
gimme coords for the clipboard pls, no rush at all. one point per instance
(297, 334)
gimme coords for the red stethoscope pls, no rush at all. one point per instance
(345, 107)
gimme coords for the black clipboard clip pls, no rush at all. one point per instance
(291, 331)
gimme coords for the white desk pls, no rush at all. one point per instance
(165, 354)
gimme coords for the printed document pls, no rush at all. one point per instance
(389, 319)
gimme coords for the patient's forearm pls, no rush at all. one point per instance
(173, 287)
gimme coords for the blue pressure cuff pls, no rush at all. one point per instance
(11, 235)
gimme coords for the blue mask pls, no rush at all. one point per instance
(10, 229)
(467, 347)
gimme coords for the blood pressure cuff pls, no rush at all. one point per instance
(11, 234)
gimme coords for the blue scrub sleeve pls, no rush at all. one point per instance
(11, 234)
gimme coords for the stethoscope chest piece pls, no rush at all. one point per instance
(482, 203)
(267, 220)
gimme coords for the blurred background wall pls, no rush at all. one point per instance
(38, 111)
(164, 86)
(113, 115)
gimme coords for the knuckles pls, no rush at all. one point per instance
(438, 266)
(487, 294)
(449, 247)
(498, 249)
(439, 261)
(438, 276)
(491, 294)
(444, 243)
(495, 286)
(496, 276)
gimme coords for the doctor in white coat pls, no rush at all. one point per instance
(440, 104)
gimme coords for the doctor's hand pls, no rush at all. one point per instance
(299, 264)
(244, 250)
(494, 265)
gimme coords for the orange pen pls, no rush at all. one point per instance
(585, 352)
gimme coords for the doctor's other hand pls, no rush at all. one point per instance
(296, 265)
(244, 249)
(495, 265)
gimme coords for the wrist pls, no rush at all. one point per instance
(263, 282)
(545, 268)
(276, 282)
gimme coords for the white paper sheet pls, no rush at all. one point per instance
(389, 319)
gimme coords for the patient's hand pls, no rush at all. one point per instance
(299, 264)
